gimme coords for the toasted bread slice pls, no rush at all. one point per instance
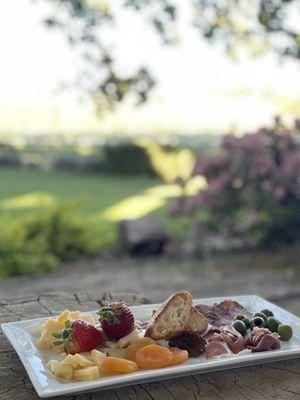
(171, 317)
(197, 322)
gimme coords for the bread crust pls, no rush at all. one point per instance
(197, 322)
(161, 325)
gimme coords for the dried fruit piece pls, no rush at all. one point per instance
(115, 365)
(179, 355)
(153, 356)
(132, 349)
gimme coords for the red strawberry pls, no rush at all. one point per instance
(78, 336)
(116, 320)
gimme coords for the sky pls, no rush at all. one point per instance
(199, 88)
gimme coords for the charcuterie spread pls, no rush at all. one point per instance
(86, 348)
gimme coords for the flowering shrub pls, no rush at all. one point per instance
(252, 196)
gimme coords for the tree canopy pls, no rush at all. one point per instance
(255, 25)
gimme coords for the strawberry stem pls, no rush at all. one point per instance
(109, 315)
(66, 336)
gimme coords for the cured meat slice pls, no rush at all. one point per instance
(261, 339)
(223, 313)
(216, 349)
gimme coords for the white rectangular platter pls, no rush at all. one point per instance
(24, 334)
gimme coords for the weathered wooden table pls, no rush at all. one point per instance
(279, 380)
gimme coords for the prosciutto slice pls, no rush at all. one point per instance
(226, 334)
(216, 349)
(223, 313)
(261, 339)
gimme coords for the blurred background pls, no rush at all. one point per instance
(149, 146)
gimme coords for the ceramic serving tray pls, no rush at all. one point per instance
(23, 336)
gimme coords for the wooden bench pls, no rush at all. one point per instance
(279, 380)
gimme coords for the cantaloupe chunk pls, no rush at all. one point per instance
(86, 374)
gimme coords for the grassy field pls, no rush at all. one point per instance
(106, 199)
(95, 192)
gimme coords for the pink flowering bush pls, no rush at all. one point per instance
(253, 190)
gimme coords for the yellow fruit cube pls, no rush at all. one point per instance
(77, 361)
(43, 344)
(60, 370)
(49, 364)
(87, 374)
(46, 340)
(64, 316)
(98, 358)
(88, 317)
(52, 325)
(75, 314)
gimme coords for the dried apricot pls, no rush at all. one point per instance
(115, 365)
(132, 349)
(153, 356)
(179, 355)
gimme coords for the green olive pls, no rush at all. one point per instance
(257, 322)
(244, 319)
(285, 332)
(267, 312)
(272, 324)
(261, 315)
(240, 327)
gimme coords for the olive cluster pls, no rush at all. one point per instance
(262, 319)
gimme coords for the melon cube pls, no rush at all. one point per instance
(77, 361)
(87, 374)
(60, 370)
(98, 358)
(64, 316)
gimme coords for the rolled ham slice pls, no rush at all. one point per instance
(225, 340)
(216, 349)
(261, 339)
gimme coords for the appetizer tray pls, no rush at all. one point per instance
(23, 336)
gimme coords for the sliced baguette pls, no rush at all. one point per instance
(197, 322)
(171, 317)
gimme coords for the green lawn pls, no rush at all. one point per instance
(96, 192)
(104, 198)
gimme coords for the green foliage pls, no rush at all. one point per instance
(38, 242)
(9, 155)
(66, 235)
(18, 255)
(127, 158)
(256, 25)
